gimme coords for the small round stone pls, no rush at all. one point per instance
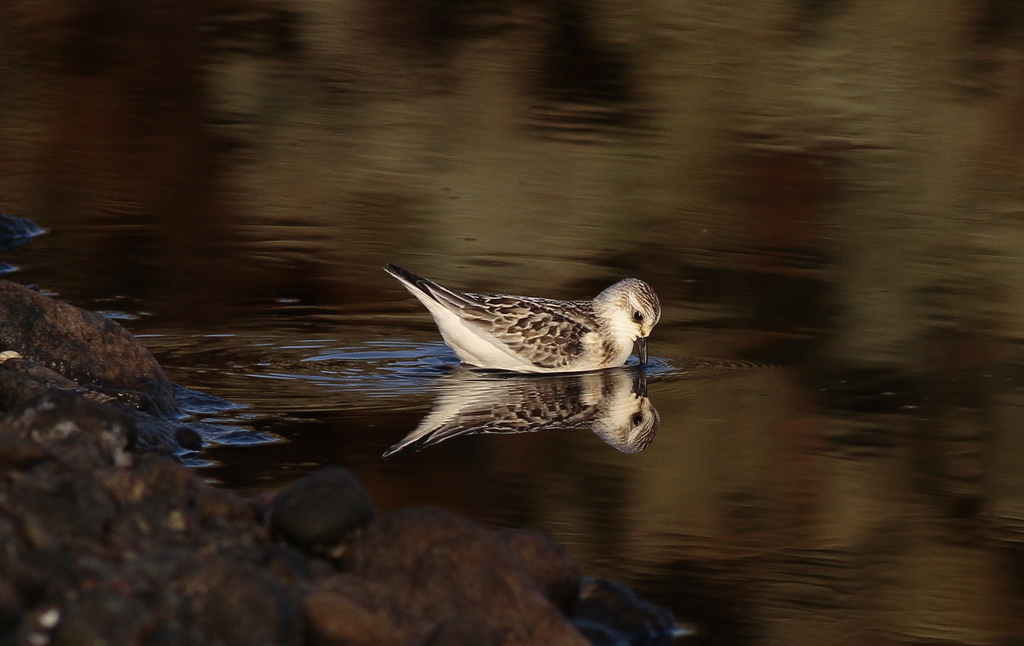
(320, 510)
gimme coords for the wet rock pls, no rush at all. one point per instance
(223, 506)
(17, 452)
(550, 564)
(84, 347)
(345, 612)
(160, 434)
(163, 504)
(22, 381)
(74, 428)
(458, 575)
(10, 607)
(164, 480)
(610, 614)
(175, 633)
(236, 603)
(104, 619)
(262, 501)
(48, 346)
(320, 510)
(17, 387)
(288, 564)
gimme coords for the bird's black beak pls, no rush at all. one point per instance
(641, 349)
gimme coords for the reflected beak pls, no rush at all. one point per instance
(641, 349)
(640, 384)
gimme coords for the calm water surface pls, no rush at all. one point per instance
(835, 195)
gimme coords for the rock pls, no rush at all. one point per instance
(160, 434)
(550, 564)
(17, 387)
(84, 347)
(262, 501)
(22, 381)
(18, 452)
(288, 564)
(317, 512)
(223, 506)
(237, 604)
(175, 633)
(104, 619)
(341, 612)
(74, 428)
(10, 607)
(457, 575)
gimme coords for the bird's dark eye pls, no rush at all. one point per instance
(637, 419)
(638, 317)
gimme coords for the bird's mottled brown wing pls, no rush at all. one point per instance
(547, 333)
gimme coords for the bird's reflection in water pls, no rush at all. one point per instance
(612, 403)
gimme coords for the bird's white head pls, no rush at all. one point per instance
(632, 308)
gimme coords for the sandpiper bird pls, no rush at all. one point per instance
(528, 334)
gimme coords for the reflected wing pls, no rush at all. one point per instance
(504, 404)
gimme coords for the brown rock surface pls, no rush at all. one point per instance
(457, 575)
(82, 346)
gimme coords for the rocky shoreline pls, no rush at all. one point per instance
(108, 539)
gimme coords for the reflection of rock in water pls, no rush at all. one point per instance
(612, 403)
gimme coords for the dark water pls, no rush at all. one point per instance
(831, 189)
